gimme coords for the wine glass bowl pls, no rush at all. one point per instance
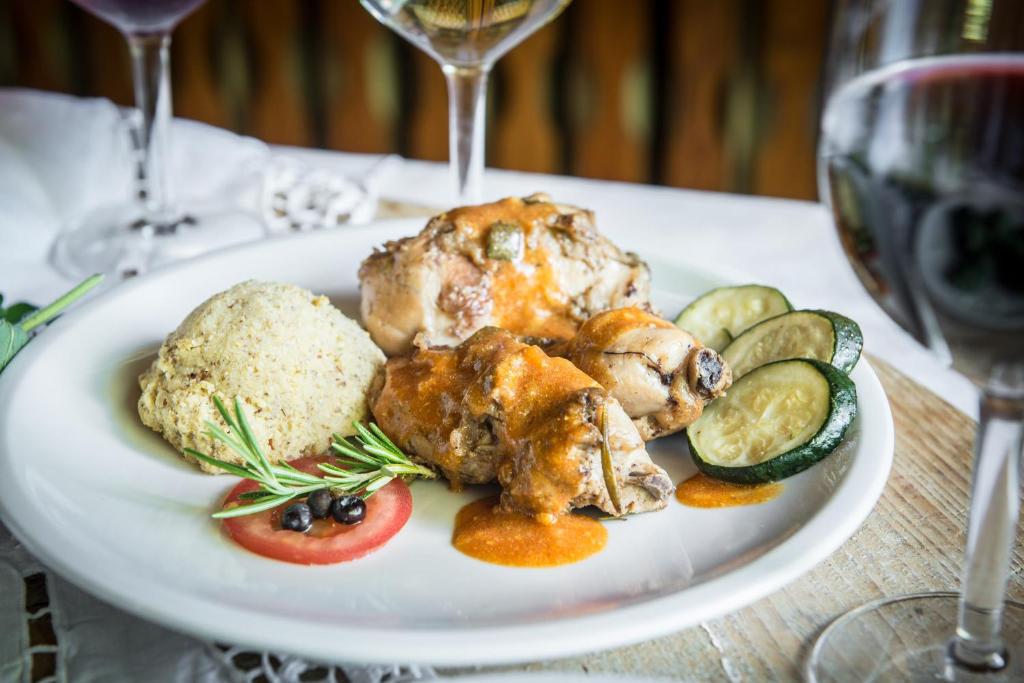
(921, 161)
(465, 37)
(465, 33)
(141, 16)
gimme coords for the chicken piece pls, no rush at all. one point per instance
(495, 408)
(526, 265)
(661, 375)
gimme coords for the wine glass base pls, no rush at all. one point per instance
(119, 240)
(907, 638)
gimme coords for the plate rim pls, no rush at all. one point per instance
(480, 645)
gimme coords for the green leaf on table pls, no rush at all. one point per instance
(17, 312)
(12, 339)
(18, 321)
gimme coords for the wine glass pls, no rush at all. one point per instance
(921, 161)
(124, 237)
(465, 37)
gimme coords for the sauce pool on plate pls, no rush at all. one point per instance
(516, 540)
(701, 491)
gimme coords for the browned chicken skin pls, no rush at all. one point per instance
(660, 374)
(495, 408)
(527, 265)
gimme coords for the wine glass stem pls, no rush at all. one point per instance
(151, 75)
(992, 521)
(467, 109)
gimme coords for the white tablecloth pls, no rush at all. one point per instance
(60, 156)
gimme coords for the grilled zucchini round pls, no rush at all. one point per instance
(722, 314)
(821, 335)
(775, 422)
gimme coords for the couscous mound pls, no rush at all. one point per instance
(300, 367)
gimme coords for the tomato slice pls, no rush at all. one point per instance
(328, 542)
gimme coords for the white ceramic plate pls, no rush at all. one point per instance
(108, 505)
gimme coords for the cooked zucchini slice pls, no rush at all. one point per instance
(821, 335)
(775, 422)
(722, 314)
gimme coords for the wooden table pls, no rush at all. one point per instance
(911, 542)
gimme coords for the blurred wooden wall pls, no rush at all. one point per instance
(715, 95)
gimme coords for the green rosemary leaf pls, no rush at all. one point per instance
(254, 495)
(293, 475)
(353, 465)
(414, 470)
(384, 438)
(269, 503)
(250, 438)
(226, 466)
(332, 469)
(346, 449)
(218, 434)
(364, 434)
(383, 453)
(225, 415)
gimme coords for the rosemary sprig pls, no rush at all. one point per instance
(367, 465)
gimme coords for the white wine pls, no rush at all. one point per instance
(466, 37)
(465, 32)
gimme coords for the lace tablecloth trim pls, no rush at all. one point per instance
(48, 628)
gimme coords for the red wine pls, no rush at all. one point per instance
(141, 16)
(923, 163)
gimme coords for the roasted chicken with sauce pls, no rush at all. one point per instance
(497, 409)
(527, 265)
(661, 375)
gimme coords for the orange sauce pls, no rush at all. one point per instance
(428, 388)
(529, 298)
(518, 540)
(601, 331)
(528, 295)
(701, 491)
(427, 396)
(474, 220)
(539, 434)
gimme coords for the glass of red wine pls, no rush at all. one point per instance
(921, 161)
(123, 238)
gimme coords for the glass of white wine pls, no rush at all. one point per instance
(466, 37)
